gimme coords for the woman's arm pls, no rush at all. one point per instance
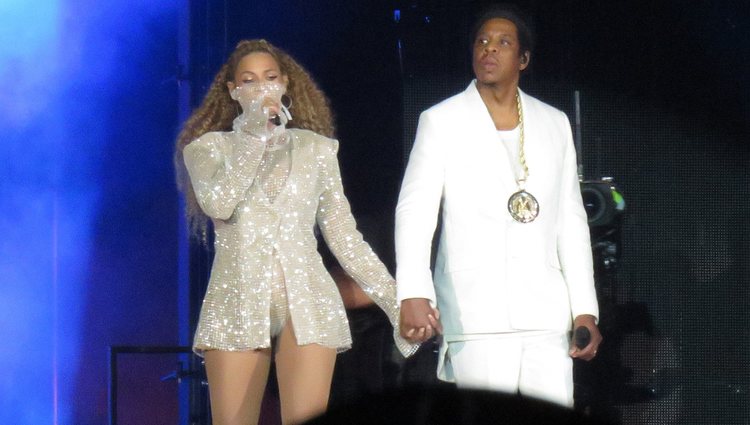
(222, 167)
(339, 230)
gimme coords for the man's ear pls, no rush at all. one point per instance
(525, 57)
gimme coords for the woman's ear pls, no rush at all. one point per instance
(232, 92)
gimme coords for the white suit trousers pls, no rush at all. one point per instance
(534, 364)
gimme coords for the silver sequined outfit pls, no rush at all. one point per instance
(265, 204)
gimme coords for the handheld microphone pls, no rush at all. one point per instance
(581, 337)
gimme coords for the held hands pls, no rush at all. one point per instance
(419, 321)
(589, 351)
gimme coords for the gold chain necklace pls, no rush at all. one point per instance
(522, 205)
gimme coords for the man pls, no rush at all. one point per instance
(513, 270)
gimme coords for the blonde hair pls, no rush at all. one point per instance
(310, 109)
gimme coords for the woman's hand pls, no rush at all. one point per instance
(261, 103)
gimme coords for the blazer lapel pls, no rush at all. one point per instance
(291, 180)
(289, 184)
(492, 153)
(534, 138)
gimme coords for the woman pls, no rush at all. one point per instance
(266, 179)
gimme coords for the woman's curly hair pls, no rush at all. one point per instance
(310, 109)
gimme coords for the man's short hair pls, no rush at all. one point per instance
(512, 13)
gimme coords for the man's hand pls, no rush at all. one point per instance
(419, 321)
(588, 352)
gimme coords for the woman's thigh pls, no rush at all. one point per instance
(304, 375)
(236, 382)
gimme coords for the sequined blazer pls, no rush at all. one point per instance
(253, 235)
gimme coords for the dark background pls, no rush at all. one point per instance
(665, 99)
(95, 253)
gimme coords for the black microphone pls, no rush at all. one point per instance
(581, 337)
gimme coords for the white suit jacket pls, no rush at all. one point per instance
(493, 274)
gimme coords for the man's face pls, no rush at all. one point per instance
(496, 54)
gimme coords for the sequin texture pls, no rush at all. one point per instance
(265, 204)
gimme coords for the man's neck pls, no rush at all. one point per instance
(501, 103)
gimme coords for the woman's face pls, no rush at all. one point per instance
(259, 69)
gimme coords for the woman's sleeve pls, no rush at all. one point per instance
(222, 167)
(340, 232)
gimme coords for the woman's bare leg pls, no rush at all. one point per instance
(236, 383)
(304, 373)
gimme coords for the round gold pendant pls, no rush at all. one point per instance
(523, 207)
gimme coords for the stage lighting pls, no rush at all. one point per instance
(604, 204)
(602, 200)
